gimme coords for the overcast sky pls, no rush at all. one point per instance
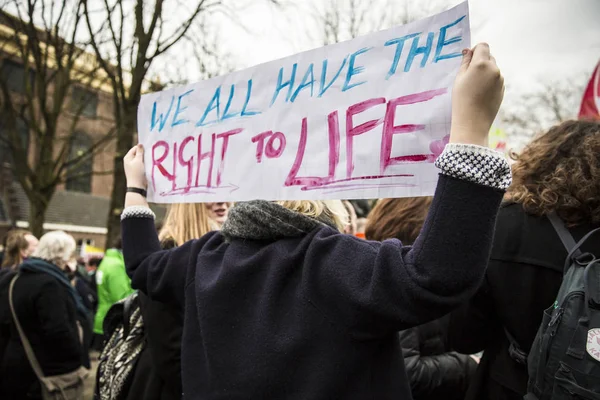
(532, 40)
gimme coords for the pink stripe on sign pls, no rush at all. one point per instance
(419, 97)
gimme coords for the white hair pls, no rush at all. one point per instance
(56, 247)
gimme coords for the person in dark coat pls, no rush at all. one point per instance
(157, 374)
(558, 172)
(433, 369)
(47, 307)
(281, 305)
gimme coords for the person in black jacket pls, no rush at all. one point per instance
(434, 371)
(280, 305)
(47, 307)
(157, 374)
(558, 172)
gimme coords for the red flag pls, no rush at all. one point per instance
(590, 104)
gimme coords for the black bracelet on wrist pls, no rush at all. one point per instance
(137, 190)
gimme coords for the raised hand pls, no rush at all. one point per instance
(476, 96)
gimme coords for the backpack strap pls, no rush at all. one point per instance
(563, 233)
(572, 247)
(35, 365)
(514, 350)
(575, 253)
(130, 304)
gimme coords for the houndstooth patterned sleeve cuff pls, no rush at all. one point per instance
(476, 164)
(137, 212)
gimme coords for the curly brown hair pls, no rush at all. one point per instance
(397, 218)
(560, 172)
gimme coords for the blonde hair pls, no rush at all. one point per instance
(56, 247)
(184, 222)
(333, 209)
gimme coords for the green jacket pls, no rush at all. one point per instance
(113, 285)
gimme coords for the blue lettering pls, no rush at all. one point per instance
(228, 105)
(281, 84)
(305, 83)
(179, 110)
(214, 104)
(248, 95)
(415, 49)
(324, 76)
(162, 120)
(443, 42)
(352, 70)
(399, 42)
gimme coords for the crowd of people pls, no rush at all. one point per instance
(425, 298)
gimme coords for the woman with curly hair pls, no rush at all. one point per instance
(559, 173)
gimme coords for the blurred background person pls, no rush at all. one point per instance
(351, 228)
(48, 309)
(217, 212)
(112, 284)
(20, 244)
(434, 371)
(559, 172)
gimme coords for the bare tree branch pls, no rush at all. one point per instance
(43, 49)
(346, 19)
(536, 111)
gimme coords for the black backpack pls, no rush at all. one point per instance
(124, 328)
(564, 361)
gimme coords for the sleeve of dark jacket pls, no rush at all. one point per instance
(161, 274)
(443, 374)
(374, 288)
(475, 324)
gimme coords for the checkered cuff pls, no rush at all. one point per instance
(137, 212)
(476, 164)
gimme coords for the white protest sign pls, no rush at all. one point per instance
(360, 119)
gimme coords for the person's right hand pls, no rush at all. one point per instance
(476, 97)
(133, 163)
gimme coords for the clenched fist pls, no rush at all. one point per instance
(133, 163)
(476, 96)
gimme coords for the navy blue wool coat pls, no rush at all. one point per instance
(314, 316)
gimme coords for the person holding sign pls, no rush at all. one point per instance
(281, 305)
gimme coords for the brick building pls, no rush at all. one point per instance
(79, 206)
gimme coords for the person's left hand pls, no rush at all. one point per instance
(133, 163)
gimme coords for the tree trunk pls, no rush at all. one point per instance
(37, 214)
(125, 137)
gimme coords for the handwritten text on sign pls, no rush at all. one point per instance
(360, 119)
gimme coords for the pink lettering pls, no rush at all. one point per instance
(186, 163)
(225, 136)
(202, 156)
(270, 149)
(260, 138)
(157, 162)
(352, 131)
(389, 129)
(334, 149)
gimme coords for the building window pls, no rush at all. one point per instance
(15, 77)
(84, 101)
(6, 150)
(79, 175)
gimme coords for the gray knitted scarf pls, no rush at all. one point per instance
(265, 220)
